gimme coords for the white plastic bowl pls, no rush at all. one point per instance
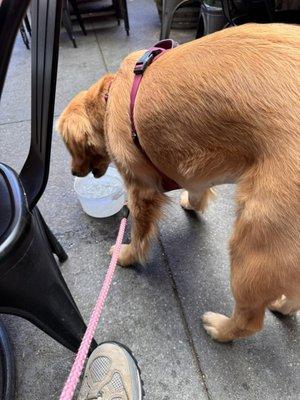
(101, 197)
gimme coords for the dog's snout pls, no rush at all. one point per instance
(97, 173)
(75, 173)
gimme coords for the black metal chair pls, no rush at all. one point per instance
(261, 11)
(95, 9)
(168, 10)
(251, 11)
(67, 22)
(31, 284)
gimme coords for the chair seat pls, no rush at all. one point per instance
(31, 284)
(14, 215)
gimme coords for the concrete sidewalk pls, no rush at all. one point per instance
(155, 310)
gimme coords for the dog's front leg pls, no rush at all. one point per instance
(145, 205)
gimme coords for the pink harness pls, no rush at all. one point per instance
(140, 67)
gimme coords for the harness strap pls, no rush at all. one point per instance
(140, 67)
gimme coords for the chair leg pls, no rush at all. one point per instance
(66, 19)
(168, 9)
(36, 290)
(27, 24)
(125, 16)
(118, 8)
(56, 247)
(78, 15)
(200, 26)
(24, 36)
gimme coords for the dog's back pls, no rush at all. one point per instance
(244, 79)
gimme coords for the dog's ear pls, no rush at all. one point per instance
(100, 88)
(74, 124)
(106, 82)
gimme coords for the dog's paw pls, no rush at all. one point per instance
(283, 306)
(215, 325)
(126, 257)
(184, 201)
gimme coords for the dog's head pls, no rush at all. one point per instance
(81, 126)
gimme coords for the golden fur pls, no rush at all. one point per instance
(222, 109)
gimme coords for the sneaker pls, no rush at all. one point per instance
(111, 374)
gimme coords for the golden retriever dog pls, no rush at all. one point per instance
(221, 109)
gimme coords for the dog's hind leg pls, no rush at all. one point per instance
(245, 321)
(197, 201)
(249, 274)
(145, 205)
(264, 256)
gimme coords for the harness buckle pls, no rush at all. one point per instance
(145, 61)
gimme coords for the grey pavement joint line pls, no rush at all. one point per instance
(184, 321)
(14, 122)
(100, 49)
(22, 120)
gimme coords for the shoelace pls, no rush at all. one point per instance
(95, 396)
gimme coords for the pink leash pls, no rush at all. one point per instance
(73, 378)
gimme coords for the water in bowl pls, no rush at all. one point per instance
(99, 188)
